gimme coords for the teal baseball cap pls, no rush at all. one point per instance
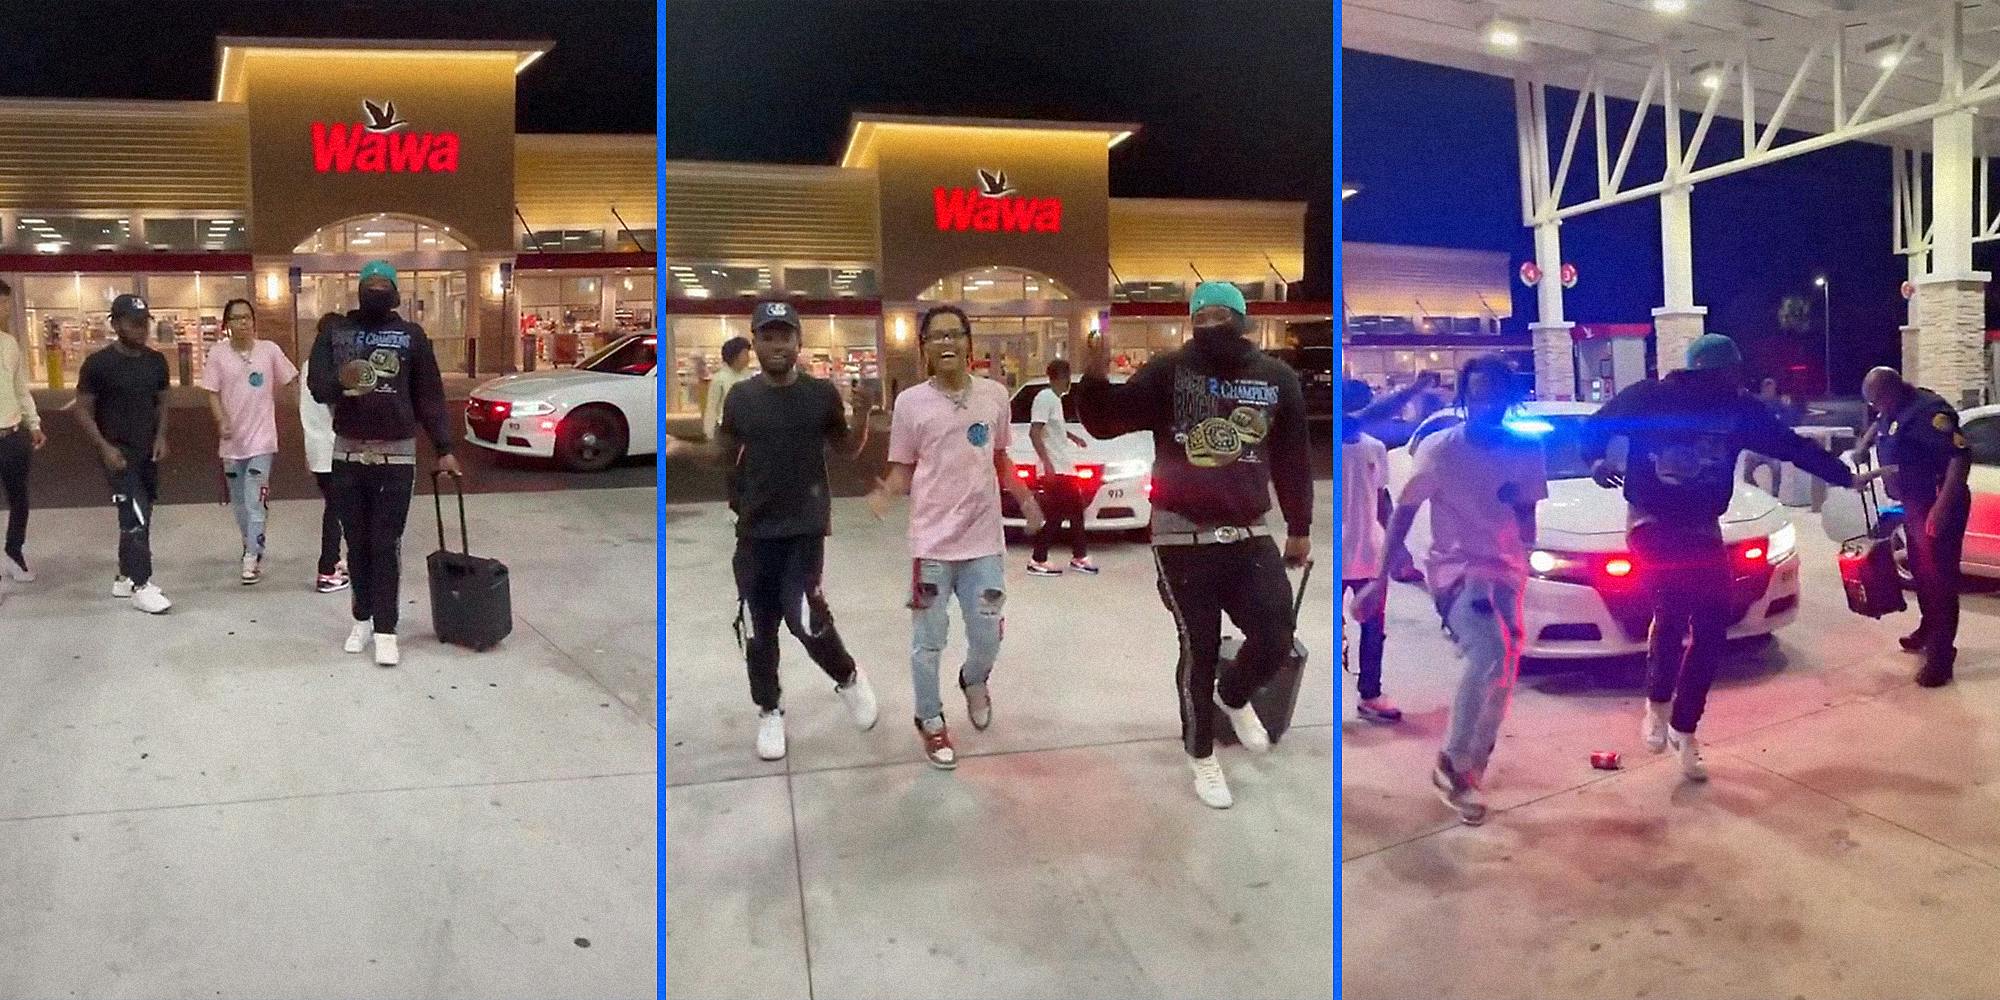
(378, 269)
(1713, 350)
(1217, 293)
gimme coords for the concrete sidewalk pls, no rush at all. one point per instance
(1067, 856)
(1846, 846)
(219, 803)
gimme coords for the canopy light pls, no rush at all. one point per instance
(1709, 75)
(1886, 52)
(1502, 33)
(1670, 6)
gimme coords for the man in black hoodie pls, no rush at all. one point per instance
(1228, 423)
(379, 374)
(1684, 434)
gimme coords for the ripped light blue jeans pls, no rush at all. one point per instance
(981, 588)
(1484, 618)
(249, 482)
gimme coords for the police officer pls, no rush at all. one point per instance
(1923, 452)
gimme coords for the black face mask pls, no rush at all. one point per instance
(377, 303)
(1219, 344)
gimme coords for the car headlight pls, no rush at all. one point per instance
(534, 409)
(1784, 542)
(1131, 468)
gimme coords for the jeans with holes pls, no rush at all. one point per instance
(249, 481)
(981, 588)
(1485, 620)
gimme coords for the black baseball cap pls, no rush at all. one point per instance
(768, 313)
(130, 305)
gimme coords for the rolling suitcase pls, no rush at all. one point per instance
(1868, 567)
(1275, 700)
(471, 602)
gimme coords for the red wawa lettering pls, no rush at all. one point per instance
(959, 209)
(341, 149)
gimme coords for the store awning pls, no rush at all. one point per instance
(1379, 279)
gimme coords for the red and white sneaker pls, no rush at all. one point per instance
(937, 744)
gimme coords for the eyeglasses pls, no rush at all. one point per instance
(935, 336)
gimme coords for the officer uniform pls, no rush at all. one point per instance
(1920, 440)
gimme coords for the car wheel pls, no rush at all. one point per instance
(591, 439)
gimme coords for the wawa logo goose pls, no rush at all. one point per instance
(381, 145)
(992, 209)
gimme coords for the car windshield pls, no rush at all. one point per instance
(631, 356)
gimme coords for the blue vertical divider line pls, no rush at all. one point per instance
(659, 503)
(1339, 430)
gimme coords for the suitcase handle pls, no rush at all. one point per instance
(1871, 509)
(1299, 599)
(437, 501)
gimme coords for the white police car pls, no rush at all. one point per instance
(586, 417)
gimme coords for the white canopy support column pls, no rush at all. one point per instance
(1677, 323)
(1909, 328)
(1951, 300)
(1555, 352)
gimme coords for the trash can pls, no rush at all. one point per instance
(528, 352)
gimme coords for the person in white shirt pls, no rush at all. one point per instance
(1364, 518)
(20, 437)
(316, 420)
(1062, 494)
(735, 368)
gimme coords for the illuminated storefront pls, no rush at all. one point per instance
(315, 157)
(1013, 221)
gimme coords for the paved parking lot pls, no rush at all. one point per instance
(1848, 844)
(1067, 856)
(219, 803)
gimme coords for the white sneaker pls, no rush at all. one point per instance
(979, 706)
(1209, 784)
(121, 588)
(253, 569)
(150, 600)
(1689, 749)
(771, 735)
(1249, 729)
(860, 699)
(357, 637)
(386, 653)
(1653, 728)
(10, 568)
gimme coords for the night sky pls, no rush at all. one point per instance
(599, 78)
(1433, 149)
(1236, 100)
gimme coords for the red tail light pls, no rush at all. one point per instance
(1024, 473)
(1618, 566)
(1090, 472)
(1752, 552)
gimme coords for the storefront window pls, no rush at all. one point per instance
(68, 317)
(831, 282)
(717, 281)
(994, 284)
(1149, 291)
(632, 302)
(69, 233)
(565, 313)
(1134, 341)
(842, 351)
(563, 240)
(197, 234)
(382, 234)
(697, 356)
(187, 313)
(637, 240)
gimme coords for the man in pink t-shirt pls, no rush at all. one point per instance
(242, 376)
(948, 450)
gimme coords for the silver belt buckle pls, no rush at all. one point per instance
(1229, 535)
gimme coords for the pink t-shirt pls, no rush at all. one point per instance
(954, 492)
(1473, 490)
(246, 389)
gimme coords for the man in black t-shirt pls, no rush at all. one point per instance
(121, 393)
(774, 432)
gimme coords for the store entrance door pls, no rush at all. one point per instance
(434, 300)
(1015, 349)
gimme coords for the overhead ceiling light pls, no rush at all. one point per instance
(1349, 190)
(1670, 6)
(1709, 75)
(1886, 52)
(1502, 33)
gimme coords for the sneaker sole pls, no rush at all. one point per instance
(941, 764)
(1379, 717)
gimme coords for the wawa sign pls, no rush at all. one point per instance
(992, 208)
(382, 145)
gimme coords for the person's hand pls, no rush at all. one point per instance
(1605, 474)
(1298, 551)
(1079, 442)
(1031, 511)
(351, 375)
(448, 464)
(113, 458)
(38, 439)
(1096, 356)
(222, 433)
(1371, 600)
(159, 449)
(879, 499)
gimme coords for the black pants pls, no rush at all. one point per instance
(329, 525)
(778, 580)
(1373, 635)
(1934, 561)
(374, 504)
(17, 453)
(133, 492)
(1687, 571)
(1201, 582)
(1062, 502)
